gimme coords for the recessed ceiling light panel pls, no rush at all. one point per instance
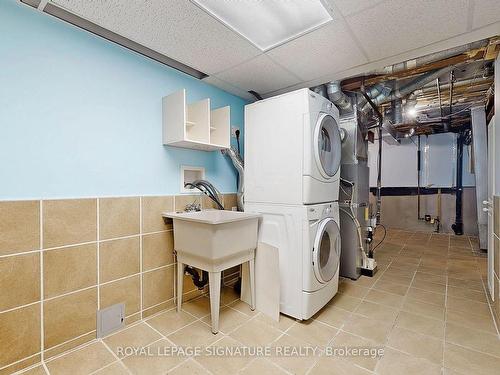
(268, 23)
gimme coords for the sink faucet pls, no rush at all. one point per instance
(208, 189)
(191, 207)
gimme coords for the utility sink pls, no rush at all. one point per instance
(214, 240)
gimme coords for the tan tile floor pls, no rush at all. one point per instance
(426, 307)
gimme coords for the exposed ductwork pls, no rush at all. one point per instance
(320, 90)
(335, 94)
(379, 89)
(433, 57)
(393, 116)
(401, 84)
(408, 88)
(333, 91)
(431, 87)
(373, 92)
(397, 111)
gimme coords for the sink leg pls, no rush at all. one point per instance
(180, 281)
(251, 266)
(214, 286)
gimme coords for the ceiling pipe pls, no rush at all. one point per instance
(433, 88)
(433, 57)
(379, 160)
(408, 88)
(397, 111)
(440, 101)
(335, 94)
(452, 80)
(333, 91)
(377, 89)
(373, 92)
(320, 90)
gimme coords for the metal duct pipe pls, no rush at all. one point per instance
(397, 111)
(373, 92)
(450, 112)
(433, 57)
(239, 166)
(432, 87)
(335, 94)
(441, 55)
(378, 89)
(409, 88)
(320, 90)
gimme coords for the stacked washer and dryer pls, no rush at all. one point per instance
(292, 176)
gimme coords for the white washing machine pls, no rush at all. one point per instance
(292, 149)
(308, 243)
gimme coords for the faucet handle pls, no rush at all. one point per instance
(193, 207)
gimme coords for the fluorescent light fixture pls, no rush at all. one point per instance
(268, 23)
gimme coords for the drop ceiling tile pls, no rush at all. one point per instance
(175, 28)
(396, 26)
(214, 81)
(138, 19)
(206, 44)
(347, 7)
(485, 12)
(260, 74)
(323, 51)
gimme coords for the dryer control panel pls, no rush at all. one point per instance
(319, 211)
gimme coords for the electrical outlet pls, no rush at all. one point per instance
(233, 131)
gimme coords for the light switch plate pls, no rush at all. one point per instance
(110, 319)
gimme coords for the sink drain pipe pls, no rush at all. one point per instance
(195, 276)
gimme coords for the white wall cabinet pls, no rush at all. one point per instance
(194, 125)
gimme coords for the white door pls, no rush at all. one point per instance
(326, 251)
(488, 206)
(327, 146)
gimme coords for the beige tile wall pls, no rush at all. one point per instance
(62, 260)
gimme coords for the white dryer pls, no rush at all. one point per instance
(308, 243)
(292, 149)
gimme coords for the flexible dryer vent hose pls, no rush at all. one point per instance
(237, 161)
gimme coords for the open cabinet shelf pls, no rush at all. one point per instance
(194, 125)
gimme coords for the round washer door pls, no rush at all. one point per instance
(326, 251)
(327, 145)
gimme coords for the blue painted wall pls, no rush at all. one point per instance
(81, 116)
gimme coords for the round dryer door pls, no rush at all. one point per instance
(326, 251)
(327, 145)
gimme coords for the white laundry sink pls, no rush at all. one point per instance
(214, 240)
